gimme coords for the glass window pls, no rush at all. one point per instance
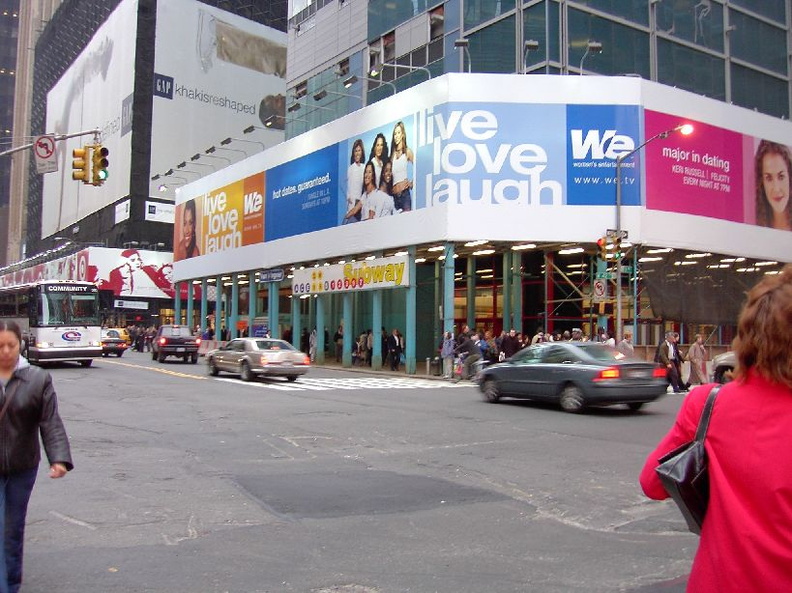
(770, 53)
(492, 49)
(692, 20)
(535, 29)
(690, 70)
(481, 11)
(755, 90)
(624, 50)
(632, 10)
(530, 355)
(772, 9)
(386, 15)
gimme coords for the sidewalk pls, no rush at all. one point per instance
(420, 373)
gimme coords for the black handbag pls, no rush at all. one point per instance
(684, 472)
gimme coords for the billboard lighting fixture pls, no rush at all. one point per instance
(196, 156)
(225, 141)
(293, 107)
(168, 172)
(350, 81)
(155, 177)
(320, 95)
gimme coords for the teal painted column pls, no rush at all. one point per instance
(346, 355)
(273, 298)
(295, 321)
(320, 325)
(517, 300)
(506, 313)
(376, 330)
(252, 300)
(470, 293)
(218, 308)
(190, 296)
(204, 304)
(234, 317)
(410, 306)
(437, 316)
(448, 290)
(177, 303)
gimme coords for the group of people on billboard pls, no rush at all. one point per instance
(380, 186)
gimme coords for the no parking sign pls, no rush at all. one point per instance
(600, 291)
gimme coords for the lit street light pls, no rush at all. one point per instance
(685, 130)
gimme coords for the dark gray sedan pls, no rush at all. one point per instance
(575, 375)
(252, 357)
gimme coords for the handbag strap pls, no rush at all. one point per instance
(706, 413)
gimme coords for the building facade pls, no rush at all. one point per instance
(478, 199)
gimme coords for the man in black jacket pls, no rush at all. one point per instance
(470, 347)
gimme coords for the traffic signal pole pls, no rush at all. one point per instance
(56, 137)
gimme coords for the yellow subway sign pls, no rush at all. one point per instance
(385, 272)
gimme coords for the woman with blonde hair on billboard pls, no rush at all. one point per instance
(400, 155)
(773, 166)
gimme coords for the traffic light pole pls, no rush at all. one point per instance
(56, 137)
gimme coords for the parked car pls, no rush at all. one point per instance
(575, 375)
(251, 357)
(723, 366)
(175, 340)
(113, 343)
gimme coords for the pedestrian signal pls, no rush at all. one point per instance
(100, 164)
(81, 166)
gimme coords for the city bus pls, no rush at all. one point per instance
(59, 320)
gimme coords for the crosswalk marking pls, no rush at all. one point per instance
(345, 383)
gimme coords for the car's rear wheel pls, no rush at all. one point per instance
(153, 355)
(491, 392)
(118, 354)
(161, 357)
(572, 399)
(213, 370)
(635, 406)
(86, 363)
(244, 371)
(292, 378)
(194, 359)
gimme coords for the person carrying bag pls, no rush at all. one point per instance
(746, 534)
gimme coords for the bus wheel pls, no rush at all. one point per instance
(86, 363)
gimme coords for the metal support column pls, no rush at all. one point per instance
(320, 325)
(448, 289)
(252, 300)
(506, 275)
(517, 294)
(470, 293)
(190, 291)
(410, 323)
(376, 320)
(273, 313)
(177, 303)
(346, 355)
(218, 324)
(296, 321)
(234, 317)
(204, 305)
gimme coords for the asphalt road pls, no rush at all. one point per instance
(343, 482)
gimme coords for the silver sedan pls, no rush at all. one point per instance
(252, 357)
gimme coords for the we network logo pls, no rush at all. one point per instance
(598, 145)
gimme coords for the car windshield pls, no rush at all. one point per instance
(274, 345)
(176, 331)
(601, 352)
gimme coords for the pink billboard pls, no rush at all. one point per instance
(713, 172)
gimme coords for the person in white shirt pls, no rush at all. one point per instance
(400, 155)
(354, 183)
(376, 203)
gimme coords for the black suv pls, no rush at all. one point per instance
(175, 340)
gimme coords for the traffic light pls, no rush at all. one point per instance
(602, 248)
(100, 164)
(81, 165)
(617, 252)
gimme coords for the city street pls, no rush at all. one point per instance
(347, 482)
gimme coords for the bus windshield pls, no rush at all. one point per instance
(65, 308)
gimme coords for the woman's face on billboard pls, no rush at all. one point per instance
(775, 180)
(188, 226)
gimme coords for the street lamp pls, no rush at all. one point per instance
(592, 47)
(353, 79)
(685, 130)
(530, 45)
(464, 43)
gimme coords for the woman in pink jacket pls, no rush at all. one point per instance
(746, 539)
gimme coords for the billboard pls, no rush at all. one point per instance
(215, 75)
(94, 93)
(717, 173)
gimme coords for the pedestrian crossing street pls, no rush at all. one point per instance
(349, 384)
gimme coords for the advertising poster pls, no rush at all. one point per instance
(187, 230)
(701, 173)
(384, 272)
(768, 177)
(302, 195)
(215, 75)
(230, 217)
(598, 134)
(377, 173)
